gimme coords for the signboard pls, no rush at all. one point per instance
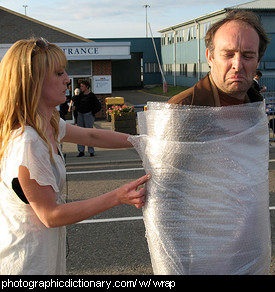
(89, 51)
(102, 84)
(96, 51)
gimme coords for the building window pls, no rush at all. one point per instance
(183, 69)
(195, 70)
(79, 68)
(151, 68)
(163, 37)
(191, 33)
(170, 38)
(205, 28)
(168, 69)
(269, 65)
(180, 36)
(194, 32)
(188, 37)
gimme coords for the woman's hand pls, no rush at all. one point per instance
(131, 194)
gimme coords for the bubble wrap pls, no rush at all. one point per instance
(207, 209)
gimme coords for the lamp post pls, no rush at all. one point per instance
(146, 6)
(25, 6)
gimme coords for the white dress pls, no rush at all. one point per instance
(26, 245)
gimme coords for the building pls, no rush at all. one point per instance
(142, 69)
(103, 63)
(183, 47)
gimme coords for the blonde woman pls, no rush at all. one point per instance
(33, 82)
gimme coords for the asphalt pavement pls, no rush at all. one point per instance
(108, 243)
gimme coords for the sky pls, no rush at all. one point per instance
(115, 19)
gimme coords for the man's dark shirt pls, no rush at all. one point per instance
(85, 102)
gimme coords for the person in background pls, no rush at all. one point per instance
(256, 80)
(72, 105)
(86, 109)
(33, 214)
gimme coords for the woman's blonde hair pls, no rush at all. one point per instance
(22, 72)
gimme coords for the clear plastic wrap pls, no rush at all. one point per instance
(207, 209)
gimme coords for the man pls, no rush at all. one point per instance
(211, 165)
(234, 47)
(256, 80)
(87, 106)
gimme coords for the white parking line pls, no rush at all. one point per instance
(111, 220)
(115, 170)
(122, 218)
(103, 171)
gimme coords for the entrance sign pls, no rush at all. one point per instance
(89, 51)
(96, 51)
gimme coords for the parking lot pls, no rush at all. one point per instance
(114, 242)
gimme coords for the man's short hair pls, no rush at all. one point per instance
(259, 73)
(86, 83)
(246, 17)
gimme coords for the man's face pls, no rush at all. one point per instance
(235, 58)
(83, 87)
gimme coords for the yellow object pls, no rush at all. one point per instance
(114, 100)
(110, 101)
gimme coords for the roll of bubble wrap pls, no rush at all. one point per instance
(207, 209)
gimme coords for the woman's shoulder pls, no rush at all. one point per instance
(28, 135)
(27, 139)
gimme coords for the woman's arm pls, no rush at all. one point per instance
(42, 200)
(70, 105)
(96, 137)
